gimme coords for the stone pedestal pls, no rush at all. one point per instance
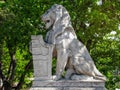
(68, 85)
(42, 58)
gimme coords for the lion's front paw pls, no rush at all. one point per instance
(56, 77)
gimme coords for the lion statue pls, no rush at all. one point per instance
(72, 55)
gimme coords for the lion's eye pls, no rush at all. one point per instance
(47, 12)
(59, 7)
(48, 21)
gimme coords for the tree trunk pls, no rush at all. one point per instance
(11, 71)
(2, 77)
(6, 85)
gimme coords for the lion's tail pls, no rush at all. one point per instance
(100, 78)
(98, 74)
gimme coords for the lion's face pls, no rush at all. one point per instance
(49, 16)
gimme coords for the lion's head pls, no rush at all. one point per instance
(57, 14)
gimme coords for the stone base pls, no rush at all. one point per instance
(68, 85)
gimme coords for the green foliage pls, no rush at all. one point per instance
(93, 24)
(53, 66)
(106, 56)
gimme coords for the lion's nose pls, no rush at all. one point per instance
(42, 17)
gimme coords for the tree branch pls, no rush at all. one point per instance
(27, 67)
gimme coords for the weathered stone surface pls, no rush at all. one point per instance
(67, 88)
(42, 58)
(68, 85)
(69, 49)
(37, 57)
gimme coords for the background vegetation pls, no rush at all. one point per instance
(96, 23)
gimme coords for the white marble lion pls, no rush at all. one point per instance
(71, 53)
